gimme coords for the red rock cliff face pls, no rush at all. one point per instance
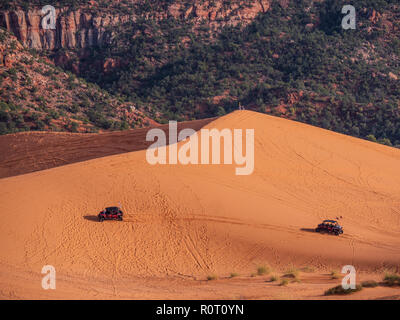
(82, 29)
(75, 29)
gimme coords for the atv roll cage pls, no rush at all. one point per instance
(329, 226)
(111, 213)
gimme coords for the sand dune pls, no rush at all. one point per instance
(186, 222)
(34, 151)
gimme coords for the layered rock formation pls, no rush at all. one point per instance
(74, 29)
(83, 28)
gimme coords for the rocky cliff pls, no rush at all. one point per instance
(74, 29)
(88, 26)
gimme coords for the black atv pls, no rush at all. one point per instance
(329, 226)
(111, 213)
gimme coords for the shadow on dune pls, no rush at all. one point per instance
(92, 218)
(307, 230)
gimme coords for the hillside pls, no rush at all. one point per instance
(293, 61)
(188, 59)
(184, 223)
(37, 95)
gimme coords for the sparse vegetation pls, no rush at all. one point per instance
(212, 277)
(391, 279)
(234, 274)
(292, 273)
(263, 270)
(308, 269)
(335, 274)
(339, 290)
(273, 278)
(284, 282)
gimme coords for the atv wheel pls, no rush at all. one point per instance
(120, 218)
(101, 219)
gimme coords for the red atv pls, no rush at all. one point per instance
(111, 213)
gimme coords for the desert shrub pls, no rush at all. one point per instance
(40, 125)
(273, 278)
(74, 108)
(74, 126)
(35, 116)
(292, 273)
(54, 114)
(371, 137)
(284, 282)
(261, 270)
(339, 290)
(391, 279)
(3, 128)
(307, 269)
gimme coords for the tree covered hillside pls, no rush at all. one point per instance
(295, 61)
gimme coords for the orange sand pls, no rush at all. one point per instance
(183, 223)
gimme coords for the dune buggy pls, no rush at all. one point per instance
(329, 226)
(111, 213)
